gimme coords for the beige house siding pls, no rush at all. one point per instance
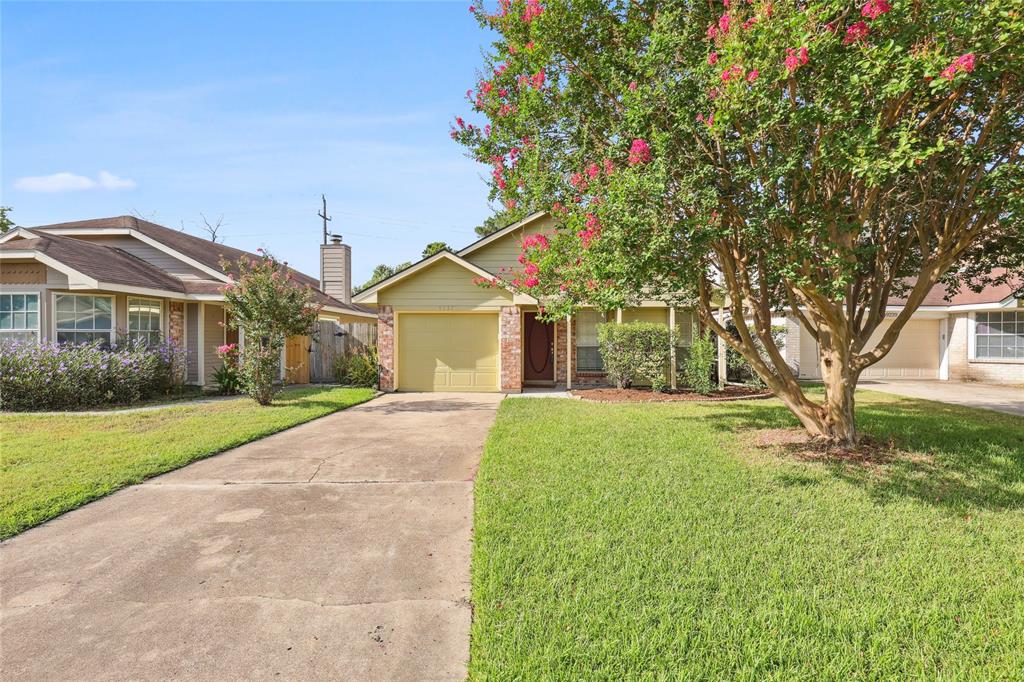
(213, 337)
(192, 342)
(443, 285)
(505, 251)
(962, 368)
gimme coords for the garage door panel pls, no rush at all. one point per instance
(447, 352)
(914, 356)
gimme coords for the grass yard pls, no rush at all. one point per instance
(656, 541)
(52, 464)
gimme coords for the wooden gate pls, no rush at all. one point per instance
(296, 360)
(331, 340)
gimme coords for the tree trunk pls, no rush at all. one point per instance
(838, 425)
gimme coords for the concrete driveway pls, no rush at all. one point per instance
(336, 550)
(1008, 399)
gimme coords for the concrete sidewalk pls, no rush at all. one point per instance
(336, 550)
(1007, 399)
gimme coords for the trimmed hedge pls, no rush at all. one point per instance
(636, 352)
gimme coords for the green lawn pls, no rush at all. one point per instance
(655, 541)
(52, 464)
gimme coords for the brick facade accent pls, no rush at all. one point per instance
(386, 347)
(560, 355)
(510, 340)
(961, 368)
(176, 322)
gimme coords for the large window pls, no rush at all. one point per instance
(999, 335)
(144, 320)
(19, 317)
(82, 319)
(588, 353)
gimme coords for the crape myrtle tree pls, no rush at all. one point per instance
(267, 305)
(817, 158)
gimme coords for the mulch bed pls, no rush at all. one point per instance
(796, 443)
(646, 395)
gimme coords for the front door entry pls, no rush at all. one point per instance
(538, 350)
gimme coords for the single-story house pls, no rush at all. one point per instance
(967, 336)
(439, 331)
(94, 279)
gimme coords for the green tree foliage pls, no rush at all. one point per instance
(500, 219)
(814, 157)
(6, 224)
(433, 247)
(380, 273)
(267, 306)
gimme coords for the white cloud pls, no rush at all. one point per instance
(69, 182)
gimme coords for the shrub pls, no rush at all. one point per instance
(48, 376)
(699, 363)
(635, 352)
(358, 369)
(226, 376)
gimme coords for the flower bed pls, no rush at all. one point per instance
(646, 395)
(48, 376)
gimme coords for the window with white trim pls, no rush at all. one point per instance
(999, 335)
(84, 319)
(19, 317)
(144, 320)
(588, 351)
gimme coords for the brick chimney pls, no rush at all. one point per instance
(336, 269)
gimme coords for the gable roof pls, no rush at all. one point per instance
(369, 295)
(103, 264)
(502, 233)
(939, 296)
(188, 248)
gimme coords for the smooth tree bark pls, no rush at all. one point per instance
(817, 159)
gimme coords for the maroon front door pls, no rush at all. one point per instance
(538, 349)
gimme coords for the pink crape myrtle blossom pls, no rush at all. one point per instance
(593, 170)
(533, 10)
(873, 9)
(632, 86)
(749, 23)
(752, 75)
(712, 59)
(609, 167)
(964, 62)
(856, 33)
(639, 152)
(723, 23)
(733, 72)
(712, 32)
(795, 58)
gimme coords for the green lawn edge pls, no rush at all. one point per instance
(594, 557)
(51, 464)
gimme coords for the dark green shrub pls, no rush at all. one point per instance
(635, 352)
(699, 363)
(358, 369)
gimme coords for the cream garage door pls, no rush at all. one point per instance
(915, 355)
(447, 352)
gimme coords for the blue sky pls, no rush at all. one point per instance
(247, 111)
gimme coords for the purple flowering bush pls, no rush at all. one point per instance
(50, 376)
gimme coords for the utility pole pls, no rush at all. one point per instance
(323, 214)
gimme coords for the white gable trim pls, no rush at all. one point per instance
(18, 232)
(76, 279)
(370, 295)
(502, 233)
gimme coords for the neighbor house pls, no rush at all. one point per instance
(439, 331)
(97, 279)
(966, 336)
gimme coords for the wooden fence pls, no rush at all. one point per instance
(331, 339)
